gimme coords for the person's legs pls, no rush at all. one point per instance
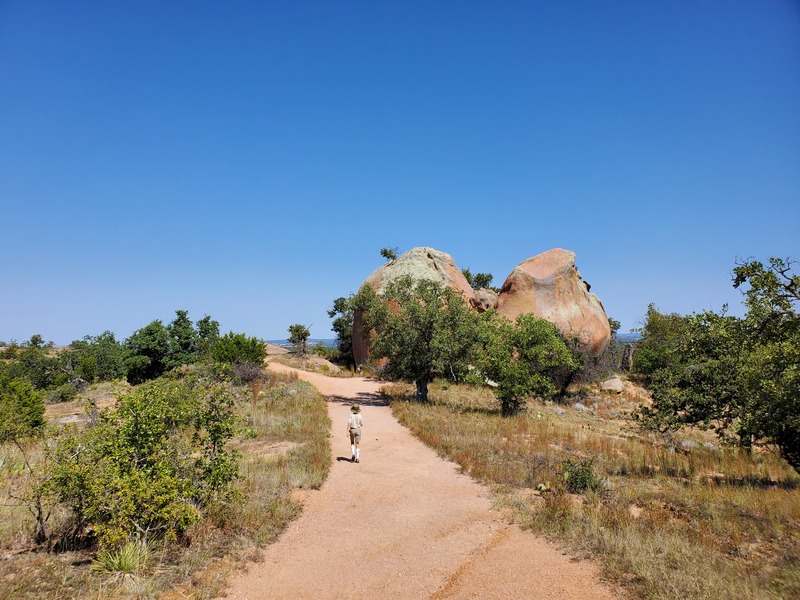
(358, 442)
(353, 445)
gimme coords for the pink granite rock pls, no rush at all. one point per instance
(550, 287)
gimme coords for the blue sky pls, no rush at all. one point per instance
(249, 160)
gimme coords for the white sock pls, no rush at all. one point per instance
(352, 450)
(357, 449)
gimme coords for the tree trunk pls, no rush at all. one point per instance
(627, 358)
(422, 390)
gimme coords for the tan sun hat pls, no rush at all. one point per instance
(355, 408)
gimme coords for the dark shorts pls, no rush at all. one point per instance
(355, 435)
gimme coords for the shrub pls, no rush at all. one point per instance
(149, 351)
(21, 409)
(151, 463)
(579, 476)
(99, 357)
(523, 357)
(237, 347)
(63, 393)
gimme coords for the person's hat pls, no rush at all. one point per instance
(355, 408)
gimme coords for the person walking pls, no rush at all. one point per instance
(354, 422)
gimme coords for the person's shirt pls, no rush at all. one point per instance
(354, 420)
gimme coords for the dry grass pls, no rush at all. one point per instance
(677, 518)
(284, 446)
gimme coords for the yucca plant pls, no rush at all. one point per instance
(130, 559)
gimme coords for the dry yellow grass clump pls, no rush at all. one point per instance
(674, 517)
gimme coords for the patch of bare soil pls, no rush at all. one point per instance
(274, 350)
(309, 362)
(403, 523)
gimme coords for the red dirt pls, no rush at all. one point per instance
(403, 523)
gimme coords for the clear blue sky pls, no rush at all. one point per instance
(248, 160)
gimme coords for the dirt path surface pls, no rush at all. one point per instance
(403, 523)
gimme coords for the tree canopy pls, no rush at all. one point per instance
(523, 358)
(479, 280)
(425, 330)
(298, 336)
(738, 376)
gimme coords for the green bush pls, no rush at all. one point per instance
(579, 476)
(21, 408)
(63, 393)
(148, 353)
(151, 463)
(237, 347)
(326, 352)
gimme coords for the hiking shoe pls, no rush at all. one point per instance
(358, 460)
(353, 458)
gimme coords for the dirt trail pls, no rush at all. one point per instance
(403, 523)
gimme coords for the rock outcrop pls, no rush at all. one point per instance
(547, 285)
(417, 263)
(483, 299)
(550, 287)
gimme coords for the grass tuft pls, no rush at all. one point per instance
(131, 559)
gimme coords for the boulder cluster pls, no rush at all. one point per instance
(547, 285)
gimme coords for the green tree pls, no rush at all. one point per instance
(21, 408)
(390, 254)
(148, 352)
(614, 325)
(659, 345)
(36, 364)
(523, 358)
(425, 331)
(479, 280)
(184, 340)
(739, 376)
(97, 358)
(343, 313)
(208, 331)
(237, 347)
(298, 336)
(36, 341)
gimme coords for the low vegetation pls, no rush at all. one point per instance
(665, 516)
(166, 484)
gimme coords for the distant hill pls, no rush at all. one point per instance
(629, 338)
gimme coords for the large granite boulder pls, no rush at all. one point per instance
(550, 287)
(418, 263)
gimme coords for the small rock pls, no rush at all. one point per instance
(613, 385)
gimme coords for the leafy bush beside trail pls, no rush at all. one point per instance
(151, 464)
(174, 477)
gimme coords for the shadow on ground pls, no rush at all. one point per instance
(362, 398)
